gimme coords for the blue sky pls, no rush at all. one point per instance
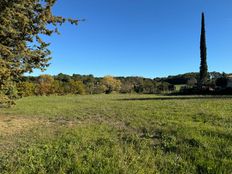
(148, 38)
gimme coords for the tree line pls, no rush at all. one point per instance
(63, 84)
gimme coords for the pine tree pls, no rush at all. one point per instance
(203, 52)
(22, 49)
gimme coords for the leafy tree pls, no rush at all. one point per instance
(26, 89)
(22, 23)
(89, 82)
(203, 51)
(164, 87)
(111, 84)
(138, 85)
(63, 77)
(148, 87)
(180, 79)
(45, 85)
(99, 88)
(126, 87)
(192, 82)
(5, 101)
(222, 81)
(58, 87)
(76, 87)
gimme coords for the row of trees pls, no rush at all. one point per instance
(214, 79)
(63, 84)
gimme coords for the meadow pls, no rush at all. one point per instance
(117, 134)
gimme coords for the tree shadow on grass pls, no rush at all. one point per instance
(176, 98)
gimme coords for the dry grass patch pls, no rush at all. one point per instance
(10, 125)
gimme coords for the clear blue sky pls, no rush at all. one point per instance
(147, 38)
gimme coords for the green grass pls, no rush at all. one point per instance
(118, 134)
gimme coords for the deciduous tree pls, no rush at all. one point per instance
(45, 85)
(111, 84)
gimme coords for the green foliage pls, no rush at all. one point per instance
(99, 88)
(222, 81)
(5, 101)
(111, 84)
(126, 87)
(22, 49)
(26, 89)
(23, 22)
(63, 84)
(203, 49)
(45, 85)
(192, 82)
(181, 78)
(6, 85)
(76, 87)
(58, 87)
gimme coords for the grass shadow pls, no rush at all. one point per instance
(176, 98)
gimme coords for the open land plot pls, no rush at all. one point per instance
(117, 134)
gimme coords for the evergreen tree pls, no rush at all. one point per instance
(203, 49)
(22, 23)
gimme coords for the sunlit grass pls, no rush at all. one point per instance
(119, 134)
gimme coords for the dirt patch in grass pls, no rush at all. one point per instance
(10, 125)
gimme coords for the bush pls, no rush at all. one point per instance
(26, 89)
(111, 84)
(5, 101)
(76, 87)
(99, 89)
(45, 85)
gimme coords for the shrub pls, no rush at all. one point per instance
(26, 89)
(45, 85)
(111, 84)
(76, 87)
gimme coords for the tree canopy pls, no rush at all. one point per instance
(22, 25)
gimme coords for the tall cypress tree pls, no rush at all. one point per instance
(203, 49)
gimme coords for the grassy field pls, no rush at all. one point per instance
(117, 134)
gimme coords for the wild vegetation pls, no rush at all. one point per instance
(63, 84)
(117, 134)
